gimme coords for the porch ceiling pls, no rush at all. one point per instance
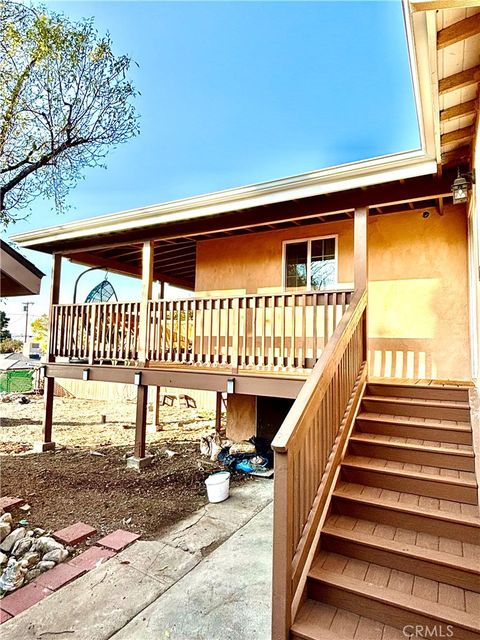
(175, 258)
(458, 64)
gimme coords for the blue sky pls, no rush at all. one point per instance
(240, 92)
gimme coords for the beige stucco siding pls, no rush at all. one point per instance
(418, 285)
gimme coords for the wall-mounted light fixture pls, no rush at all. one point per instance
(86, 374)
(231, 385)
(461, 186)
(137, 378)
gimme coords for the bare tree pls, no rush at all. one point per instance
(65, 101)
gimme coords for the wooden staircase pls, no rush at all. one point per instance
(400, 544)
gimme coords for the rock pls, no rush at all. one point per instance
(31, 558)
(11, 539)
(7, 517)
(45, 565)
(32, 573)
(21, 547)
(3, 559)
(44, 544)
(57, 555)
(37, 532)
(14, 575)
(5, 529)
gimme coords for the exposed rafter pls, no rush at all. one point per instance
(459, 110)
(459, 31)
(458, 134)
(118, 266)
(438, 5)
(459, 80)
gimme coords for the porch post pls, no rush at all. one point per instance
(147, 281)
(360, 226)
(360, 248)
(49, 382)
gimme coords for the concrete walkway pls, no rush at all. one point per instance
(209, 577)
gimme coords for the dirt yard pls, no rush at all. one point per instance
(75, 483)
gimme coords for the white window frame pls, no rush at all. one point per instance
(309, 241)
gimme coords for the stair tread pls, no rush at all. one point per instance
(430, 597)
(319, 621)
(449, 476)
(408, 542)
(414, 421)
(432, 446)
(446, 510)
(455, 404)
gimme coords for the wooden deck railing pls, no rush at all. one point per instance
(303, 457)
(278, 330)
(95, 331)
(254, 331)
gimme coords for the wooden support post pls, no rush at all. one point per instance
(48, 394)
(147, 281)
(218, 412)
(156, 409)
(139, 460)
(360, 226)
(49, 382)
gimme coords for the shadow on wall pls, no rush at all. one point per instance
(389, 358)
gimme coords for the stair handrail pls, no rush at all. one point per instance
(315, 418)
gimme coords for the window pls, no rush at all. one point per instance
(311, 264)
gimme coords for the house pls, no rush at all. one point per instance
(340, 311)
(18, 276)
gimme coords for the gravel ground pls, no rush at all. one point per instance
(77, 424)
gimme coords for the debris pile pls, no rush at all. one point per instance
(19, 398)
(25, 553)
(252, 456)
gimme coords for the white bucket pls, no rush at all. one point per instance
(218, 486)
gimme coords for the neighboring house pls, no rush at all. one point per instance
(18, 276)
(339, 309)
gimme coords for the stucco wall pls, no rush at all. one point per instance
(418, 285)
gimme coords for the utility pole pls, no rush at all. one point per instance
(25, 308)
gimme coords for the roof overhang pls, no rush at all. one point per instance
(18, 276)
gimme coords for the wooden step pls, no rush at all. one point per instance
(348, 500)
(374, 446)
(417, 408)
(412, 558)
(319, 621)
(375, 472)
(425, 392)
(388, 605)
(401, 426)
